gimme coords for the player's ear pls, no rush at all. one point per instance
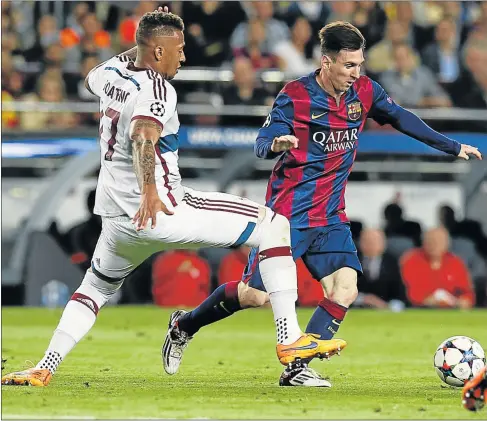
(158, 53)
(325, 62)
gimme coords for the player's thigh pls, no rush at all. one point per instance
(332, 251)
(119, 249)
(210, 219)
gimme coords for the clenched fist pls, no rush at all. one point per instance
(284, 143)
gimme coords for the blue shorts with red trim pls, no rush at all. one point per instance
(324, 250)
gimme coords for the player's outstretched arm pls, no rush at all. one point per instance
(409, 123)
(144, 134)
(385, 110)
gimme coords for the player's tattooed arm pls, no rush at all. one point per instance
(144, 134)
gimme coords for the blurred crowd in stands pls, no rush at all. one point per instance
(443, 267)
(426, 54)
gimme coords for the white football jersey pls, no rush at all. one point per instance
(127, 93)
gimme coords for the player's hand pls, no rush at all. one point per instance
(284, 143)
(164, 9)
(467, 150)
(149, 206)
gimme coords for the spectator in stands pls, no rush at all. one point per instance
(210, 24)
(467, 228)
(479, 28)
(275, 30)
(54, 56)
(380, 56)
(180, 278)
(371, 19)
(48, 34)
(454, 10)
(292, 53)
(434, 277)
(10, 43)
(316, 12)
(341, 10)
(83, 237)
(254, 50)
(442, 56)
(471, 89)
(397, 226)
(13, 83)
(128, 25)
(244, 91)
(416, 36)
(381, 286)
(74, 19)
(232, 265)
(49, 89)
(92, 40)
(412, 85)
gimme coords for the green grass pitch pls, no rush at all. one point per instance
(230, 370)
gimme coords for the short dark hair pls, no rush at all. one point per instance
(157, 24)
(337, 36)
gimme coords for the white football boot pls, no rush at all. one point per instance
(299, 374)
(175, 343)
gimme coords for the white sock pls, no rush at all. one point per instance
(78, 318)
(278, 273)
(283, 305)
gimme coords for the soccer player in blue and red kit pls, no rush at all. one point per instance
(314, 129)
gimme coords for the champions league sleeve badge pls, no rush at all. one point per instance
(354, 110)
(157, 108)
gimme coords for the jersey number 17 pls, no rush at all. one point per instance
(113, 116)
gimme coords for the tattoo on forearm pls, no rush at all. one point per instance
(144, 154)
(132, 53)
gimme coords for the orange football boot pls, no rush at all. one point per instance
(308, 347)
(29, 377)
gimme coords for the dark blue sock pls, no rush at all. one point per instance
(326, 319)
(223, 302)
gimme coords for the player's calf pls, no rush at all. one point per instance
(251, 297)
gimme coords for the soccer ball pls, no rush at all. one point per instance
(458, 359)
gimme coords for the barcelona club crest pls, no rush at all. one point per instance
(354, 111)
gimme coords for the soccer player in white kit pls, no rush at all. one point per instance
(145, 208)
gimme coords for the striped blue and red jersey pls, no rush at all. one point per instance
(308, 183)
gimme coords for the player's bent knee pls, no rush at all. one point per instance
(251, 297)
(276, 231)
(98, 289)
